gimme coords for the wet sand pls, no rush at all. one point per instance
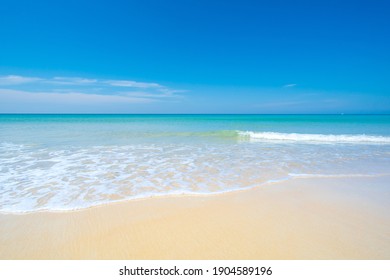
(324, 218)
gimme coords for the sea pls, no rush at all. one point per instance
(69, 162)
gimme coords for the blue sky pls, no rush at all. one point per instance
(195, 56)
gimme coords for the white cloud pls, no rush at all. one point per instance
(17, 80)
(289, 85)
(145, 94)
(19, 94)
(71, 81)
(133, 84)
(68, 98)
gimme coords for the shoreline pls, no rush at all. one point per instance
(303, 218)
(211, 194)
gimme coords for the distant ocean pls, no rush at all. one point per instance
(65, 162)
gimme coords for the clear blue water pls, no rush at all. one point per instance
(63, 162)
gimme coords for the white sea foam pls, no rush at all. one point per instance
(314, 138)
(36, 178)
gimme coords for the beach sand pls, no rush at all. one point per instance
(324, 218)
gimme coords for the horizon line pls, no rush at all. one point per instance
(113, 114)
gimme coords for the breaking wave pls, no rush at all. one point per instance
(318, 138)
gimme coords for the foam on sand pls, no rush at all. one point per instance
(296, 219)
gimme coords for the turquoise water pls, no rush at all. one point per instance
(64, 162)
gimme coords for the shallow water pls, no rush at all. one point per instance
(65, 162)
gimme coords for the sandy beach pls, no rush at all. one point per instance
(324, 218)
